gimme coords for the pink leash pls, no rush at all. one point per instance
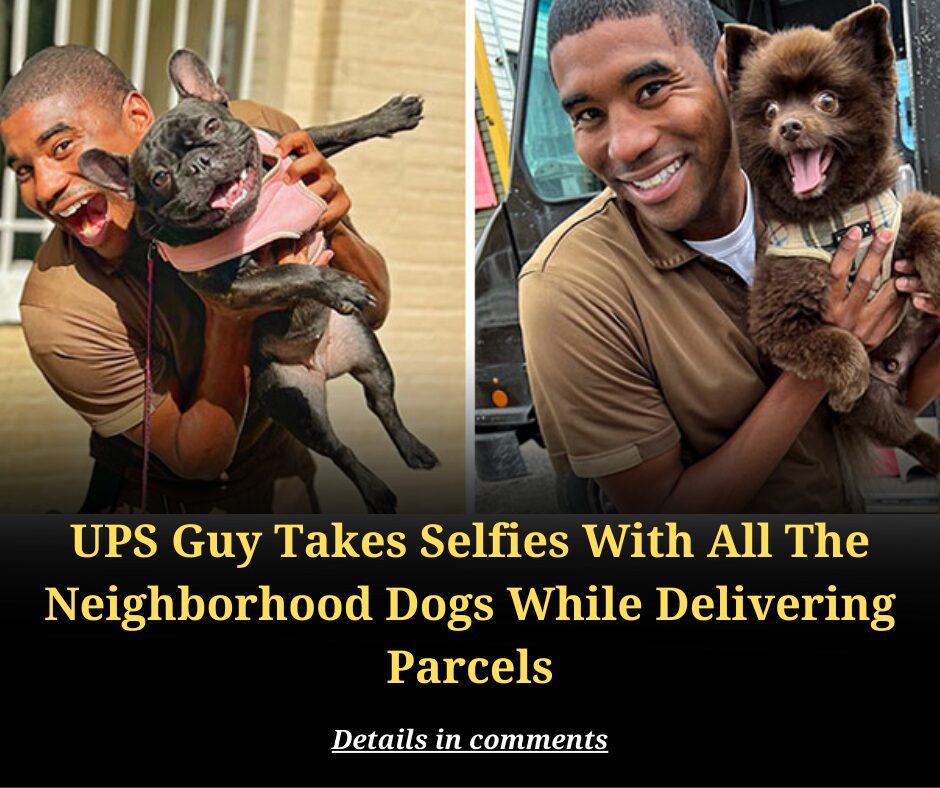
(148, 380)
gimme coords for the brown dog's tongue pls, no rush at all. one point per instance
(807, 172)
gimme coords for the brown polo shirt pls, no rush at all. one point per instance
(635, 343)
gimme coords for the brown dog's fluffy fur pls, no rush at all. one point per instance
(807, 89)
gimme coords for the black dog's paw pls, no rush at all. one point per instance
(417, 455)
(401, 113)
(345, 293)
(381, 501)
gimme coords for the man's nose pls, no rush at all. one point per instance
(50, 182)
(630, 135)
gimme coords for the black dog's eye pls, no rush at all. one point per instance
(826, 102)
(891, 365)
(160, 178)
(212, 125)
(771, 108)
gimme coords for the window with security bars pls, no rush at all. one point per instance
(139, 36)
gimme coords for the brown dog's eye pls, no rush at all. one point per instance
(771, 108)
(212, 125)
(826, 102)
(160, 178)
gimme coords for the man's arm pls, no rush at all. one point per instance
(924, 385)
(196, 437)
(729, 478)
(351, 253)
(732, 475)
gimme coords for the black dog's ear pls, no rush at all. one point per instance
(868, 28)
(108, 170)
(192, 78)
(739, 40)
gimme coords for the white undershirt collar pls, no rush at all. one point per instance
(738, 248)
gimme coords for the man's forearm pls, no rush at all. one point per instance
(197, 438)
(210, 427)
(924, 385)
(731, 476)
(356, 257)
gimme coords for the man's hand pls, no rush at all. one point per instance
(848, 307)
(909, 282)
(313, 169)
(924, 383)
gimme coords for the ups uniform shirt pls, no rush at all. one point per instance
(634, 343)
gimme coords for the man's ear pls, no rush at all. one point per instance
(192, 78)
(869, 29)
(739, 41)
(720, 66)
(136, 114)
(109, 170)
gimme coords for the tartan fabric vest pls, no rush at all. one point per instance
(821, 239)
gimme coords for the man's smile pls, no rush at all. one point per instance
(87, 217)
(655, 184)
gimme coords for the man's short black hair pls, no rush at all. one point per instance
(686, 20)
(79, 71)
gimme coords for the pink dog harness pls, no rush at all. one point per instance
(284, 211)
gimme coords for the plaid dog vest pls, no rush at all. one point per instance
(821, 239)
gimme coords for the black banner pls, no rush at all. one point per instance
(373, 650)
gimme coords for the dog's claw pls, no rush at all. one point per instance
(401, 113)
(346, 294)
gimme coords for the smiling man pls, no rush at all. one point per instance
(84, 305)
(633, 311)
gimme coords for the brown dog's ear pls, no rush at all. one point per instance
(109, 170)
(870, 29)
(739, 40)
(191, 77)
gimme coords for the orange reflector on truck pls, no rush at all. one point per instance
(500, 398)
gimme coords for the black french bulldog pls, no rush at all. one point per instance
(182, 177)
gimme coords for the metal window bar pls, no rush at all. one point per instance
(10, 223)
(180, 26)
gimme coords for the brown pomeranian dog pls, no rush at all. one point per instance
(814, 112)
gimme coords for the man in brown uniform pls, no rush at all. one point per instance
(84, 304)
(642, 372)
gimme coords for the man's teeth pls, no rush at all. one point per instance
(660, 177)
(75, 206)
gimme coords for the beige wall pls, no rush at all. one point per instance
(321, 61)
(343, 58)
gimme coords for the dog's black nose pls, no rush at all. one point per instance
(199, 162)
(791, 129)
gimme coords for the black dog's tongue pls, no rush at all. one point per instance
(226, 194)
